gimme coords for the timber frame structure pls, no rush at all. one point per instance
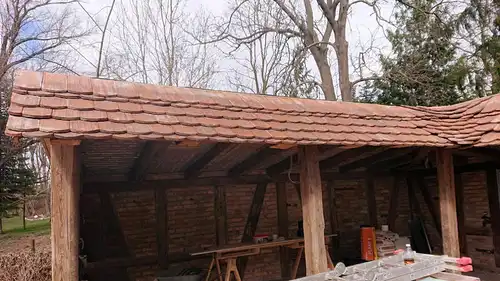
(107, 136)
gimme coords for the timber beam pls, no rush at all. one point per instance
(447, 202)
(312, 210)
(142, 164)
(370, 160)
(255, 159)
(344, 156)
(65, 165)
(493, 182)
(194, 169)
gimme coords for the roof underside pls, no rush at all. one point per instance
(62, 106)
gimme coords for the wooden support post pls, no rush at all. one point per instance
(334, 243)
(161, 226)
(281, 202)
(371, 200)
(65, 195)
(220, 214)
(461, 214)
(312, 210)
(448, 207)
(492, 180)
(393, 205)
(252, 221)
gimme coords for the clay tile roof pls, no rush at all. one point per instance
(74, 107)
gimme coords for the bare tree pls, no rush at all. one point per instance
(151, 45)
(318, 26)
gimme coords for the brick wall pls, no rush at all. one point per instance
(191, 221)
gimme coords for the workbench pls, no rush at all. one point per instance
(230, 253)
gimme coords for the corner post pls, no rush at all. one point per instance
(312, 210)
(447, 202)
(65, 216)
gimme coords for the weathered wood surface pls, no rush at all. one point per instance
(281, 203)
(220, 214)
(492, 180)
(65, 218)
(447, 202)
(312, 210)
(161, 227)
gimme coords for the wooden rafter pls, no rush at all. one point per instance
(250, 162)
(142, 164)
(194, 169)
(393, 205)
(281, 203)
(422, 186)
(282, 166)
(394, 162)
(371, 200)
(370, 160)
(344, 156)
(252, 221)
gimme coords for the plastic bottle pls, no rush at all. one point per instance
(409, 255)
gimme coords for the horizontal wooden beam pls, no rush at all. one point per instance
(255, 159)
(138, 261)
(370, 160)
(194, 169)
(343, 156)
(122, 185)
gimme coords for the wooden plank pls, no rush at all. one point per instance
(492, 182)
(65, 193)
(282, 166)
(252, 221)
(161, 227)
(335, 243)
(461, 214)
(393, 205)
(256, 158)
(220, 214)
(371, 201)
(194, 169)
(395, 162)
(149, 152)
(422, 186)
(412, 199)
(446, 183)
(281, 203)
(312, 210)
(344, 156)
(370, 160)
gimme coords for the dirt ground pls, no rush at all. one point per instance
(12, 244)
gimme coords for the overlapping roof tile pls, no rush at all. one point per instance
(73, 107)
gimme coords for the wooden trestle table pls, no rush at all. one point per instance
(230, 253)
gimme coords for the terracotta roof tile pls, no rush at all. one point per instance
(79, 84)
(66, 114)
(54, 126)
(28, 80)
(80, 104)
(42, 105)
(93, 115)
(37, 112)
(15, 109)
(25, 100)
(112, 128)
(55, 82)
(53, 102)
(22, 124)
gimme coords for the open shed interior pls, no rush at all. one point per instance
(144, 176)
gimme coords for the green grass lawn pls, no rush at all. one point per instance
(14, 227)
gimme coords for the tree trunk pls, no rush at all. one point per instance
(325, 73)
(342, 51)
(24, 212)
(1, 226)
